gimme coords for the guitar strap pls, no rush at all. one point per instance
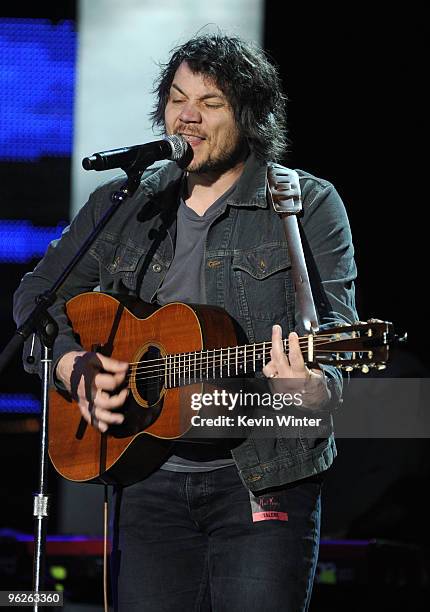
(322, 302)
(283, 187)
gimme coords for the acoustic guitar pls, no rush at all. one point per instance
(173, 350)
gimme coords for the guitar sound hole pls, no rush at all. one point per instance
(150, 376)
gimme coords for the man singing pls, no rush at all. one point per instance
(187, 535)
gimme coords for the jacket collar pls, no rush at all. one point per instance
(250, 190)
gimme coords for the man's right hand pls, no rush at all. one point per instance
(92, 379)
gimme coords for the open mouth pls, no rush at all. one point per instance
(192, 139)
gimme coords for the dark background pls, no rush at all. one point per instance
(354, 86)
(352, 80)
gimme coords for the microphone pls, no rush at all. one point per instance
(141, 156)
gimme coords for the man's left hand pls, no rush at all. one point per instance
(292, 372)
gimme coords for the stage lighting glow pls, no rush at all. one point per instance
(37, 74)
(19, 403)
(21, 241)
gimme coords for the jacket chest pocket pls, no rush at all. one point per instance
(119, 258)
(261, 278)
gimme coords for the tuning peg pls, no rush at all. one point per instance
(381, 366)
(348, 368)
(365, 369)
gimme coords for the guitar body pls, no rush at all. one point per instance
(171, 351)
(155, 415)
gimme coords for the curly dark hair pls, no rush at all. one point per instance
(246, 77)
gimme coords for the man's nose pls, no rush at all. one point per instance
(190, 113)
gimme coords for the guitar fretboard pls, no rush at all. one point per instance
(187, 368)
(334, 346)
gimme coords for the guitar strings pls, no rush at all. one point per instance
(303, 342)
(209, 356)
(249, 348)
(206, 361)
(181, 373)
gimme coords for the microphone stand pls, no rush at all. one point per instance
(41, 323)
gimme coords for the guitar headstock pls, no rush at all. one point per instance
(361, 345)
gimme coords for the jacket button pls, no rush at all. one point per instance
(253, 478)
(156, 267)
(214, 263)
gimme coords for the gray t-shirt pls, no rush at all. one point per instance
(184, 282)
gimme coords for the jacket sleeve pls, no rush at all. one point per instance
(327, 230)
(84, 277)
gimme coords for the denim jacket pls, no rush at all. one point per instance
(247, 272)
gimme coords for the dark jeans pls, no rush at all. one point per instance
(187, 541)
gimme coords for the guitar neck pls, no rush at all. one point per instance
(359, 345)
(243, 360)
